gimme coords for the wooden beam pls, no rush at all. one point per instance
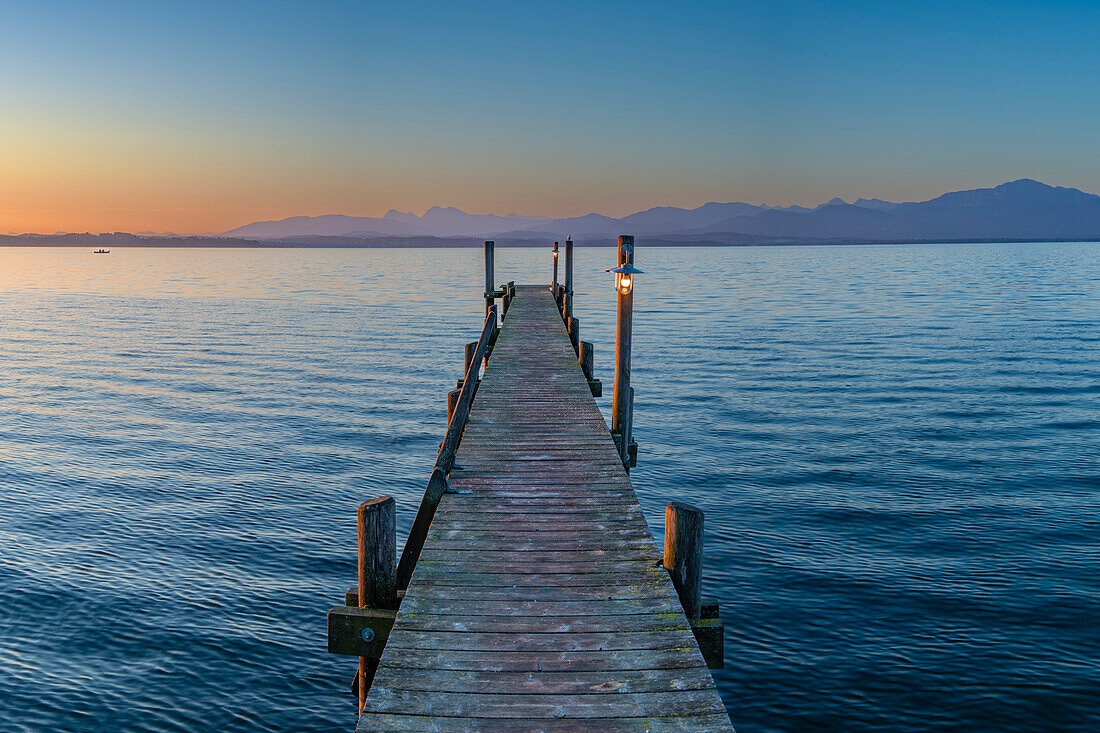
(359, 632)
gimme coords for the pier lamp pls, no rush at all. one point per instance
(555, 282)
(624, 277)
(622, 398)
(625, 272)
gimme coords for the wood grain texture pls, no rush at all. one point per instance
(539, 601)
(684, 554)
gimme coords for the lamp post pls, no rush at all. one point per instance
(554, 288)
(567, 309)
(489, 272)
(622, 398)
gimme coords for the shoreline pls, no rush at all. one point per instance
(130, 241)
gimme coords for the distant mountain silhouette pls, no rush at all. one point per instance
(328, 225)
(672, 219)
(874, 204)
(1023, 209)
(1018, 210)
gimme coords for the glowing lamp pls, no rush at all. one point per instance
(624, 277)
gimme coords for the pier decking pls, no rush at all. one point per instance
(538, 601)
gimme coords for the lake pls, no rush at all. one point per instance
(897, 449)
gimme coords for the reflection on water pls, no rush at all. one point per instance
(896, 448)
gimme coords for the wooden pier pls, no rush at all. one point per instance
(537, 599)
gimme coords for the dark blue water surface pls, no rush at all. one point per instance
(897, 448)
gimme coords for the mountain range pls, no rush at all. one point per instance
(1023, 209)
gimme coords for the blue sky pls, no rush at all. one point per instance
(152, 115)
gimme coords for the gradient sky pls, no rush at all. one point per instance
(198, 117)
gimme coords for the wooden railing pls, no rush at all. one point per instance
(445, 461)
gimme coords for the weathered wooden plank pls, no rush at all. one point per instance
(523, 534)
(521, 470)
(568, 682)
(558, 557)
(487, 495)
(462, 512)
(499, 563)
(575, 593)
(509, 500)
(545, 481)
(498, 474)
(536, 557)
(672, 658)
(498, 609)
(606, 705)
(612, 528)
(551, 456)
(539, 488)
(442, 576)
(546, 487)
(399, 723)
(412, 639)
(562, 500)
(627, 623)
(538, 479)
(545, 513)
(527, 544)
(566, 507)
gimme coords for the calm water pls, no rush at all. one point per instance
(898, 450)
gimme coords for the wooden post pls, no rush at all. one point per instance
(554, 282)
(489, 274)
(631, 451)
(586, 359)
(378, 553)
(452, 400)
(621, 395)
(492, 339)
(377, 570)
(574, 328)
(470, 349)
(684, 554)
(567, 308)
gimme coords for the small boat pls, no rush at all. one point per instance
(101, 251)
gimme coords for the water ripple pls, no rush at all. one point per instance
(896, 448)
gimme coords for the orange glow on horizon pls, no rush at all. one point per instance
(97, 176)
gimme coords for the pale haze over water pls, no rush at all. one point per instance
(897, 449)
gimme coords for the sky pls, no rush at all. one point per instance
(203, 116)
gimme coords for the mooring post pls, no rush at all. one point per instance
(452, 400)
(377, 570)
(573, 325)
(588, 367)
(684, 554)
(567, 307)
(622, 396)
(470, 349)
(489, 272)
(492, 336)
(554, 283)
(587, 360)
(631, 447)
